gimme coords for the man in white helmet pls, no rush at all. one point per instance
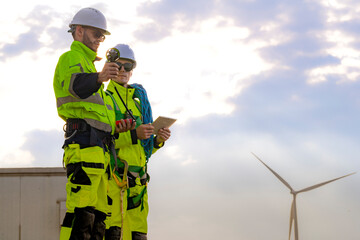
(129, 209)
(89, 129)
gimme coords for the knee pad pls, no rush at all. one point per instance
(113, 233)
(99, 226)
(83, 223)
(138, 236)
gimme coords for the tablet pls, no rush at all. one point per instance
(162, 122)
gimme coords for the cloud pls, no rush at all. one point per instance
(168, 15)
(26, 42)
(306, 46)
(252, 14)
(16, 159)
(152, 32)
(317, 127)
(42, 30)
(46, 26)
(45, 147)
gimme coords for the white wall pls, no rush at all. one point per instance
(32, 203)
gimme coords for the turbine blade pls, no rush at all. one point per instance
(296, 230)
(277, 175)
(322, 184)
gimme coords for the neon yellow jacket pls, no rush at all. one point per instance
(93, 109)
(129, 148)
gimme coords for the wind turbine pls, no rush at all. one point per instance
(293, 212)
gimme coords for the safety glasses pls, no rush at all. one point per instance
(96, 33)
(99, 35)
(127, 66)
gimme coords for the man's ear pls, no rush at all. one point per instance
(79, 32)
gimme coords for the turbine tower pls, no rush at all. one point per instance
(293, 212)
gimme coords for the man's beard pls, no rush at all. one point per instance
(88, 43)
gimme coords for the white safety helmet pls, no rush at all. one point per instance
(89, 17)
(121, 51)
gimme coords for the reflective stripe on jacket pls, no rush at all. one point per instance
(96, 111)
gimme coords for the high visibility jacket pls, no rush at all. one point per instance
(94, 109)
(128, 146)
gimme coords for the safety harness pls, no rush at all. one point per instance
(134, 171)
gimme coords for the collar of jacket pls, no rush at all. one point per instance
(123, 91)
(83, 49)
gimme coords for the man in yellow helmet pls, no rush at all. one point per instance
(90, 125)
(133, 147)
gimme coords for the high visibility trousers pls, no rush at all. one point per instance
(86, 189)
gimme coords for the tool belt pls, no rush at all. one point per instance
(76, 124)
(79, 131)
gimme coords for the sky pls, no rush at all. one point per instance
(277, 78)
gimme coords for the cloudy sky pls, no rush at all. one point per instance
(278, 78)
